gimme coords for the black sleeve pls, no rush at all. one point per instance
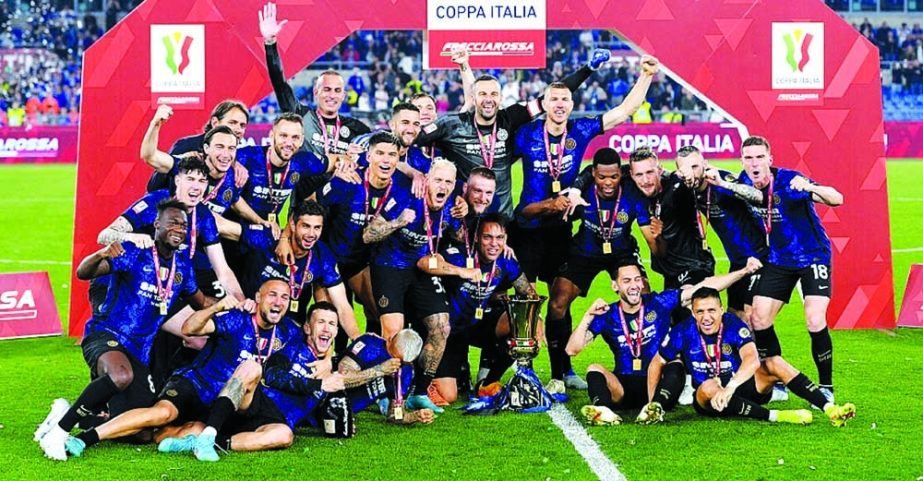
(309, 184)
(284, 93)
(276, 375)
(584, 179)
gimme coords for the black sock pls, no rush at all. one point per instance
(767, 343)
(822, 349)
(569, 324)
(738, 406)
(806, 389)
(598, 390)
(89, 437)
(89, 422)
(500, 361)
(672, 381)
(421, 383)
(91, 399)
(223, 442)
(557, 334)
(221, 410)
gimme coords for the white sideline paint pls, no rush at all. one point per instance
(601, 465)
(26, 261)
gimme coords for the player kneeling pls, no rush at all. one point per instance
(729, 378)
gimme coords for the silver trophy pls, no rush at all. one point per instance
(524, 319)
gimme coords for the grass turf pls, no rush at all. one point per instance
(874, 369)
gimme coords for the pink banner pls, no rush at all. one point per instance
(912, 308)
(27, 307)
(904, 139)
(44, 144)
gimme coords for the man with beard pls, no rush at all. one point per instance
(313, 264)
(292, 386)
(219, 381)
(729, 376)
(799, 252)
(552, 150)
(486, 136)
(117, 339)
(229, 113)
(633, 328)
(474, 319)
(603, 243)
(409, 231)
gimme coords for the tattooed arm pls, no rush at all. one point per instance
(120, 230)
(747, 193)
(524, 288)
(354, 376)
(582, 335)
(379, 228)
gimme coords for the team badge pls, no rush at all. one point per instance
(112, 343)
(730, 177)
(502, 135)
(295, 177)
(743, 332)
(391, 203)
(651, 316)
(776, 198)
(276, 344)
(309, 277)
(172, 393)
(358, 346)
(570, 144)
(227, 195)
(726, 349)
(622, 217)
(383, 302)
(344, 131)
(139, 207)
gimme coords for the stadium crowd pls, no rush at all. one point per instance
(204, 336)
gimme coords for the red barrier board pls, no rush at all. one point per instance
(912, 308)
(43, 144)
(27, 307)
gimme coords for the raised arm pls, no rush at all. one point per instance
(121, 230)
(225, 276)
(582, 337)
(723, 281)
(745, 192)
(202, 323)
(460, 57)
(270, 28)
(97, 264)
(635, 97)
(819, 193)
(161, 161)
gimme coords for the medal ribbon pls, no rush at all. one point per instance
(700, 224)
(607, 232)
(323, 129)
(554, 170)
(214, 192)
(488, 278)
(296, 289)
(256, 335)
(492, 145)
(715, 359)
(368, 194)
(272, 197)
(429, 228)
(768, 222)
(634, 345)
(164, 293)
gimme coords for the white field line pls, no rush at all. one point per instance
(601, 465)
(42, 262)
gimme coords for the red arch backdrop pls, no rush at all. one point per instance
(723, 48)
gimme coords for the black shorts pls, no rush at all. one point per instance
(183, 394)
(687, 277)
(396, 290)
(635, 388)
(582, 270)
(262, 411)
(541, 252)
(747, 390)
(140, 393)
(482, 335)
(97, 294)
(778, 282)
(348, 270)
(740, 293)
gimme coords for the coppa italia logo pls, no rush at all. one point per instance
(177, 44)
(798, 55)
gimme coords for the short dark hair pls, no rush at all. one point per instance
(223, 108)
(423, 95)
(641, 154)
(687, 151)
(607, 156)
(483, 172)
(492, 218)
(705, 293)
(192, 164)
(486, 78)
(385, 138)
(403, 106)
(288, 117)
(755, 140)
(170, 203)
(221, 129)
(321, 306)
(308, 207)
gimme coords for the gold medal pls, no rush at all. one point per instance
(469, 263)
(272, 218)
(479, 313)
(607, 247)
(163, 308)
(705, 245)
(164, 273)
(636, 364)
(556, 186)
(293, 305)
(433, 263)
(398, 412)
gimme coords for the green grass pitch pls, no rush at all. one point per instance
(877, 370)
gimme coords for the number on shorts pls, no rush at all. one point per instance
(820, 271)
(438, 283)
(150, 383)
(219, 289)
(754, 279)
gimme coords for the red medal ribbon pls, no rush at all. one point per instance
(368, 194)
(470, 245)
(768, 222)
(715, 360)
(429, 228)
(323, 130)
(214, 192)
(492, 145)
(607, 232)
(554, 170)
(634, 345)
(256, 335)
(296, 289)
(288, 165)
(489, 278)
(703, 225)
(163, 293)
